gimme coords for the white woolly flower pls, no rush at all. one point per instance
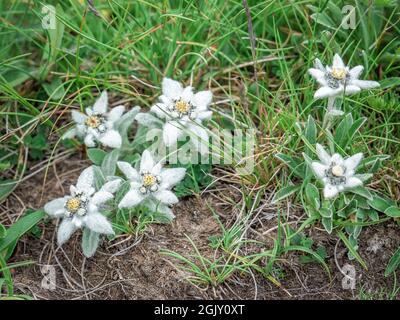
(81, 209)
(336, 173)
(98, 125)
(339, 79)
(182, 111)
(152, 183)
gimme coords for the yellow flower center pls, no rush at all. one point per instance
(338, 73)
(182, 106)
(93, 122)
(73, 204)
(337, 171)
(149, 180)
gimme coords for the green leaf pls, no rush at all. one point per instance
(90, 242)
(328, 225)
(373, 215)
(355, 127)
(295, 164)
(109, 164)
(323, 19)
(393, 211)
(315, 255)
(379, 203)
(393, 263)
(3, 231)
(20, 227)
(6, 187)
(390, 82)
(363, 192)
(55, 89)
(352, 250)
(313, 196)
(311, 133)
(342, 131)
(285, 192)
(96, 155)
(326, 213)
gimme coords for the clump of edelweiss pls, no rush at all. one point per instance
(181, 111)
(339, 79)
(81, 209)
(151, 185)
(98, 124)
(336, 173)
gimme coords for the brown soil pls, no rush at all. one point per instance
(133, 267)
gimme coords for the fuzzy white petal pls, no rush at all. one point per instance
(325, 92)
(171, 88)
(160, 110)
(318, 65)
(131, 199)
(353, 182)
(65, 231)
(364, 84)
(78, 117)
(319, 169)
(129, 172)
(55, 208)
(352, 89)
(318, 75)
(69, 134)
(147, 162)
(100, 106)
(202, 100)
(187, 94)
(338, 62)
(356, 72)
(323, 155)
(89, 140)
(111, 139)
(98, 223)
(111, 186)
(171, 133)
(86, 179)
(100, 197)
(170, 177)
(352, 162)
(330, 191)
(116, 113)
(166, 196)
(337, 159)
(204, 115)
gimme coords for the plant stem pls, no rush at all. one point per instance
(327, 121)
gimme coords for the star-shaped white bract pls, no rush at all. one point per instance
(339, 79)
(336, 173)
(98, 124)
(182, 111)
(81, 209)
(152, 184)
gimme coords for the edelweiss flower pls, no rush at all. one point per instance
(98, 124)
(152, 183)
(183, 111)
(339, 79)
(336, 173)
(82, 207)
